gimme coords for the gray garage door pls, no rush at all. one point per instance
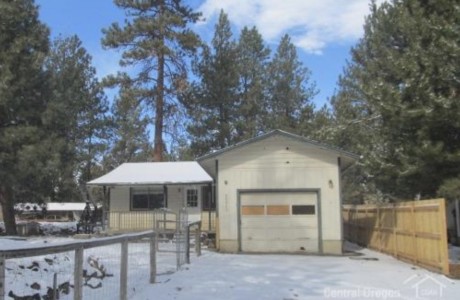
(279, 222)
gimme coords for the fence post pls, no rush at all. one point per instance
(198, 240)
(124, 271)
(2, 278)
(379, 226)
(395, 231)
(443, 233)
(187, 245)
(55, 287)
(78, 274)
(414, 231)
(153, 258)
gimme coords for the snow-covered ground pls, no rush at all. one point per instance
(26, 277)
(370, 275)
(365, 274)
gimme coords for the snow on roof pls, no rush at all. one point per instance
(56, 206)
(154, 173)
(51, 206)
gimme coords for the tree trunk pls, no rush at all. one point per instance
(158, 142)
(457, 217)
(8, 211)
(160, 91)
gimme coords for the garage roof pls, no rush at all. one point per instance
(299, 138)
(186, 172)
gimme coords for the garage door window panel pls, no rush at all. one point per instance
(253, 210)
(303, 210)
(278, 210)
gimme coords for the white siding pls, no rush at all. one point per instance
(119, 198)
(120, 202)
(175, 197)
(277, 162)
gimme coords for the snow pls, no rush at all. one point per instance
(154, 173)
(52, 206)
(48, 228)
(69, 206)
(361, 274)
(370, 275)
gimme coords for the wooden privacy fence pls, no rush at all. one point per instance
(413, 231)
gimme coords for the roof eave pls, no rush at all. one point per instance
(147, 183)
(279, 132)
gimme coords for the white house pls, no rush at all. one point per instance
(278, 192)
(136, 190)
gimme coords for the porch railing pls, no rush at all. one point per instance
(145, 220)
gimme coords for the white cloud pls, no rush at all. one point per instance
(312, 24)
(105, 61)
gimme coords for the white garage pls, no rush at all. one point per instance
(279, 221)
(278, 192)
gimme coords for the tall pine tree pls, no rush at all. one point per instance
(156, 41)
(213, 100)
(253, 56)
(290, 90)
(23, 96)
(404, 90)
(76, 116)
(130, 136)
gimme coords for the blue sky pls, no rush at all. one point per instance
(322, 30)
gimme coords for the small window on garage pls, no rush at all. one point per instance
(253, 210)
(192, 198)
(303, 209)
(277, 210)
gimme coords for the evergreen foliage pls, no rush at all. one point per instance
(76, 117)
(400, 92)
(155, 42)
(241, 93)
(23, 98)
(290, 91)
(253, 57)
(212, 102)
(130, 136)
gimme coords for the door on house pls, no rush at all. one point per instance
(192, 196)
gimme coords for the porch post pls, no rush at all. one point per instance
(165, 195)
(210, 202)
(104, 208)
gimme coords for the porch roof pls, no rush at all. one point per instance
(185, 172)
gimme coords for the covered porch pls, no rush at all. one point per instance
(147, 195)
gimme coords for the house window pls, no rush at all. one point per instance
(192, 198)
(146, 199)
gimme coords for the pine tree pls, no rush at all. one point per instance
(403, 75)
(213, 101)
(23, 96)
(76, 116)
(156, 41)
(320, 125)
(130, 137)
(290, 90)
(253, 57)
